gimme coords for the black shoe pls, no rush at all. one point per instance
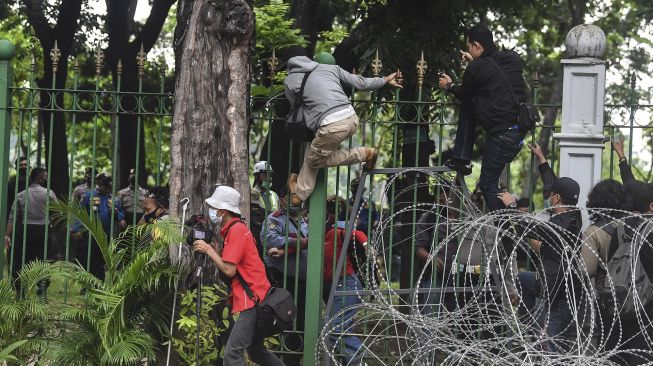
(459, 166)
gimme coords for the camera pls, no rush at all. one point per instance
(200, 229)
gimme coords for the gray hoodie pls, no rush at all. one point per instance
(323, 93)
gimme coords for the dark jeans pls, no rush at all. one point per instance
(96, 260)
(293, 340)
(243, 337)
(500, 149)
(532, 311)
(34, 247)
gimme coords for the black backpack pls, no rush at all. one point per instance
(276, 313)
(296, 127)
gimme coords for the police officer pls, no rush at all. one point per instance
(288, 219)
(263, 200)
(131, 199)
(80, 191)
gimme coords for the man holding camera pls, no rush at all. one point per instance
(492, 82)
(238, 258)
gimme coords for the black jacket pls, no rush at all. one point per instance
(483, 85)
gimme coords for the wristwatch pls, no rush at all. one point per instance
(512, 205)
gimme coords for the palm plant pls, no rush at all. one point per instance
(124, 317)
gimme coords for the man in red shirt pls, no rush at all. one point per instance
(239, 255)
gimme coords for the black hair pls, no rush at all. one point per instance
(161, 195)
(480, 33)
(17, 161)
(524, 202)
(36, 174)
(565, 201)
(607, 194)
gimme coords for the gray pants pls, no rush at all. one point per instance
(243, 337)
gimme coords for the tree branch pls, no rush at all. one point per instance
(152, 28)
(34, 9)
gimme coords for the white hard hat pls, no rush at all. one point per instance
(263, 166)
(225, 198)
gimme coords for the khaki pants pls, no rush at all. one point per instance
(323, 152)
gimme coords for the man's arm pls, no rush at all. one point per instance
(625, 169)
(359, 82)
(424, 235)
(276, 237)
(228, 268)
(467, 89)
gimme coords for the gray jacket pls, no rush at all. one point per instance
(323, 93)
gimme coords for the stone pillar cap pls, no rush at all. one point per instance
(585, 40)
(7, 50)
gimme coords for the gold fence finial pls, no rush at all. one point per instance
(55, 54)
(162, 65)
(273, 62)
(99, 60)
(140, 59)
(422, 66)
(376, 64)
(119, 67)
(76, 66)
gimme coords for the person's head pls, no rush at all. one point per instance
(324, 58)
(103, 184)
(88, 175)
(132, 177)
(224, 205)
(155, 203)
(292, 211)
(640, 196)
(262, 172)
(38, 176)
(608, 194)
(21, 166)
(337, 208)
(354, 184)
(478, 39)
(288, 53)
(524, 204)
(564, 192)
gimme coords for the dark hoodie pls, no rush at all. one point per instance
(494, 106)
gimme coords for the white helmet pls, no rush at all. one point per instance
(262, 167)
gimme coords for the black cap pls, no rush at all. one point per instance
(641, 194)
(567, 188)
(161, 195)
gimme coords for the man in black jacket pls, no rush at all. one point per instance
(487, 100)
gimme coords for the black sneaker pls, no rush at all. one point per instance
(459, 166)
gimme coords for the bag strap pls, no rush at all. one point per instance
(300, 94)
(248, 290)
(505, 78)
(240, 278)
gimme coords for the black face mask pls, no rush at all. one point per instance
(22, 172)
(151, 217)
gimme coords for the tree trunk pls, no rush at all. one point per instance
(209, 129)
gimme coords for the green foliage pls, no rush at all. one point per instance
(328, 40)
(6, 354)
(274, 29)
(124, 317)
(211, 325)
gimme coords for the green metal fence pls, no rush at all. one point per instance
(404, 130)
(90, 112)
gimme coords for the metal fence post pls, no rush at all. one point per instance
(6, 53)
(314, 275)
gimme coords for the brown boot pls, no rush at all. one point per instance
(292, 189)
(371, 155)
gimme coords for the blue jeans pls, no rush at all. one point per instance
(351, 345)
(560, 317)
(501, 148)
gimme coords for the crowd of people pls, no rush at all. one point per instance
(25, 238)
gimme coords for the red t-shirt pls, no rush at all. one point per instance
(240, 249)
(359, 236)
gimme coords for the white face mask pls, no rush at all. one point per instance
(213, 215)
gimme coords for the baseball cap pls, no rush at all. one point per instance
(567, 188)
(324, 58)
(225, 198)
(263, 166)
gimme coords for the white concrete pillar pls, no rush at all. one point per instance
(583, 97)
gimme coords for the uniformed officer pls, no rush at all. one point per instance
(100, 202)
(263, 200)
(131, 199)
(294, 245)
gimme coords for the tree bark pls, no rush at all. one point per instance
(209, 129)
